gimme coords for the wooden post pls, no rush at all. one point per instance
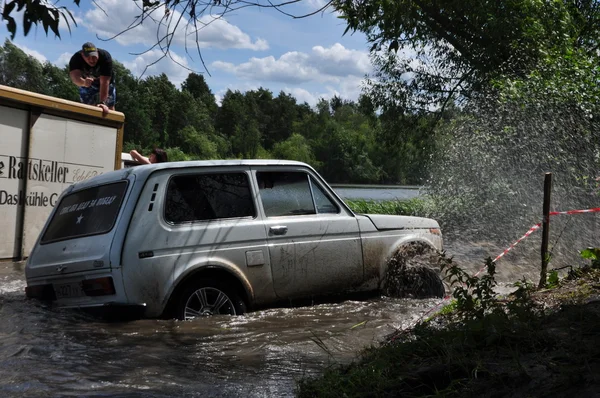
(545, 229)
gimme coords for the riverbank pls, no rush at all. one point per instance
(548, 347)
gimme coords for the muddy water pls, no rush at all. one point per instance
(51, 352)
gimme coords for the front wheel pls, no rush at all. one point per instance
(207, 297)
(414, 272)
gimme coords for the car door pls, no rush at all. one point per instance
(313, 241)
(189, 218)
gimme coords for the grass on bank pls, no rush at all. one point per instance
(410, 207)
(531, 343)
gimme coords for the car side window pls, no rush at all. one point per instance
(322, 200)
(285, 193)
(198, 197)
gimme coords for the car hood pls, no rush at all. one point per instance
(386, 222)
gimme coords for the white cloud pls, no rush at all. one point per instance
(63, 59)
(322, 73)
(238, 86)
(315, 4)
(35, 54)
(212, 32)
(338, 60)
(348, 89)
(303, 95)
(322, 65)
(147, 65)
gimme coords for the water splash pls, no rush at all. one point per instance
(487, 179)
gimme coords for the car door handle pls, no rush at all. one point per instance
(278, 230)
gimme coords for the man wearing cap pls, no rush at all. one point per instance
(91, 70)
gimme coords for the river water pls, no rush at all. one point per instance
(50, 352)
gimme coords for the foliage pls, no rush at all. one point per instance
(296, 147)
(593, 254)
(431, 53)
(478, 306)
(428, 54)
(553, 279)
(475, 297)
(34, 12)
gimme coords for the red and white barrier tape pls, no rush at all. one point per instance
(537, 226)
(531, 230)
(593, 210)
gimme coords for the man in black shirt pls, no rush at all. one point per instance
(91, 69)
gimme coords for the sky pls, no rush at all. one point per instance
(309, 58)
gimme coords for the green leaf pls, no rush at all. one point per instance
(11, 26)
(54, 26)
(553, 279)
(592, 253)
(26, 25)
(8, 9)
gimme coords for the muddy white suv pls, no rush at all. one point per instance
(186, 239)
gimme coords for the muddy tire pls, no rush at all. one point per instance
(207, 297)
(414, 272)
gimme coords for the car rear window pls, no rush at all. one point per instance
(92, 211)
(202, 197)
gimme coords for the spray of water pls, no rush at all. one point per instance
(487, 178)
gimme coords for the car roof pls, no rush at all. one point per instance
(143, 171)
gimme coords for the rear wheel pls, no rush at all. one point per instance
(207, 297)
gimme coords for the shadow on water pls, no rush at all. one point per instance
(50, 352)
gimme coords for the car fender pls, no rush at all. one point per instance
(417, 237)
(208, 265)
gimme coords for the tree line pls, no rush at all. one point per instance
(346, 141)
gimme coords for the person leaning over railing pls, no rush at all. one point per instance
(91, 69)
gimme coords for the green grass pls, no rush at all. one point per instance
(410, 207)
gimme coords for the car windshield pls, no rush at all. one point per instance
(91, 211)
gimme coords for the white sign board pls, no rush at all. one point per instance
(13, 127)
(61, 151)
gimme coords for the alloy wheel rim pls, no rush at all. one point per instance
(208, 301)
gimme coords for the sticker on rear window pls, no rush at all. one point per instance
(88, 212)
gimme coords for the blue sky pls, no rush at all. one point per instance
(250, 48)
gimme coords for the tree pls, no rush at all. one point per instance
(283, 112)
(161, 95)
(260, 103)
(296, 148)
(231, 113)
(198, 144)
(428, 53)
(57, 82)
(20, 70)
(133, 101)
(197, 87)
